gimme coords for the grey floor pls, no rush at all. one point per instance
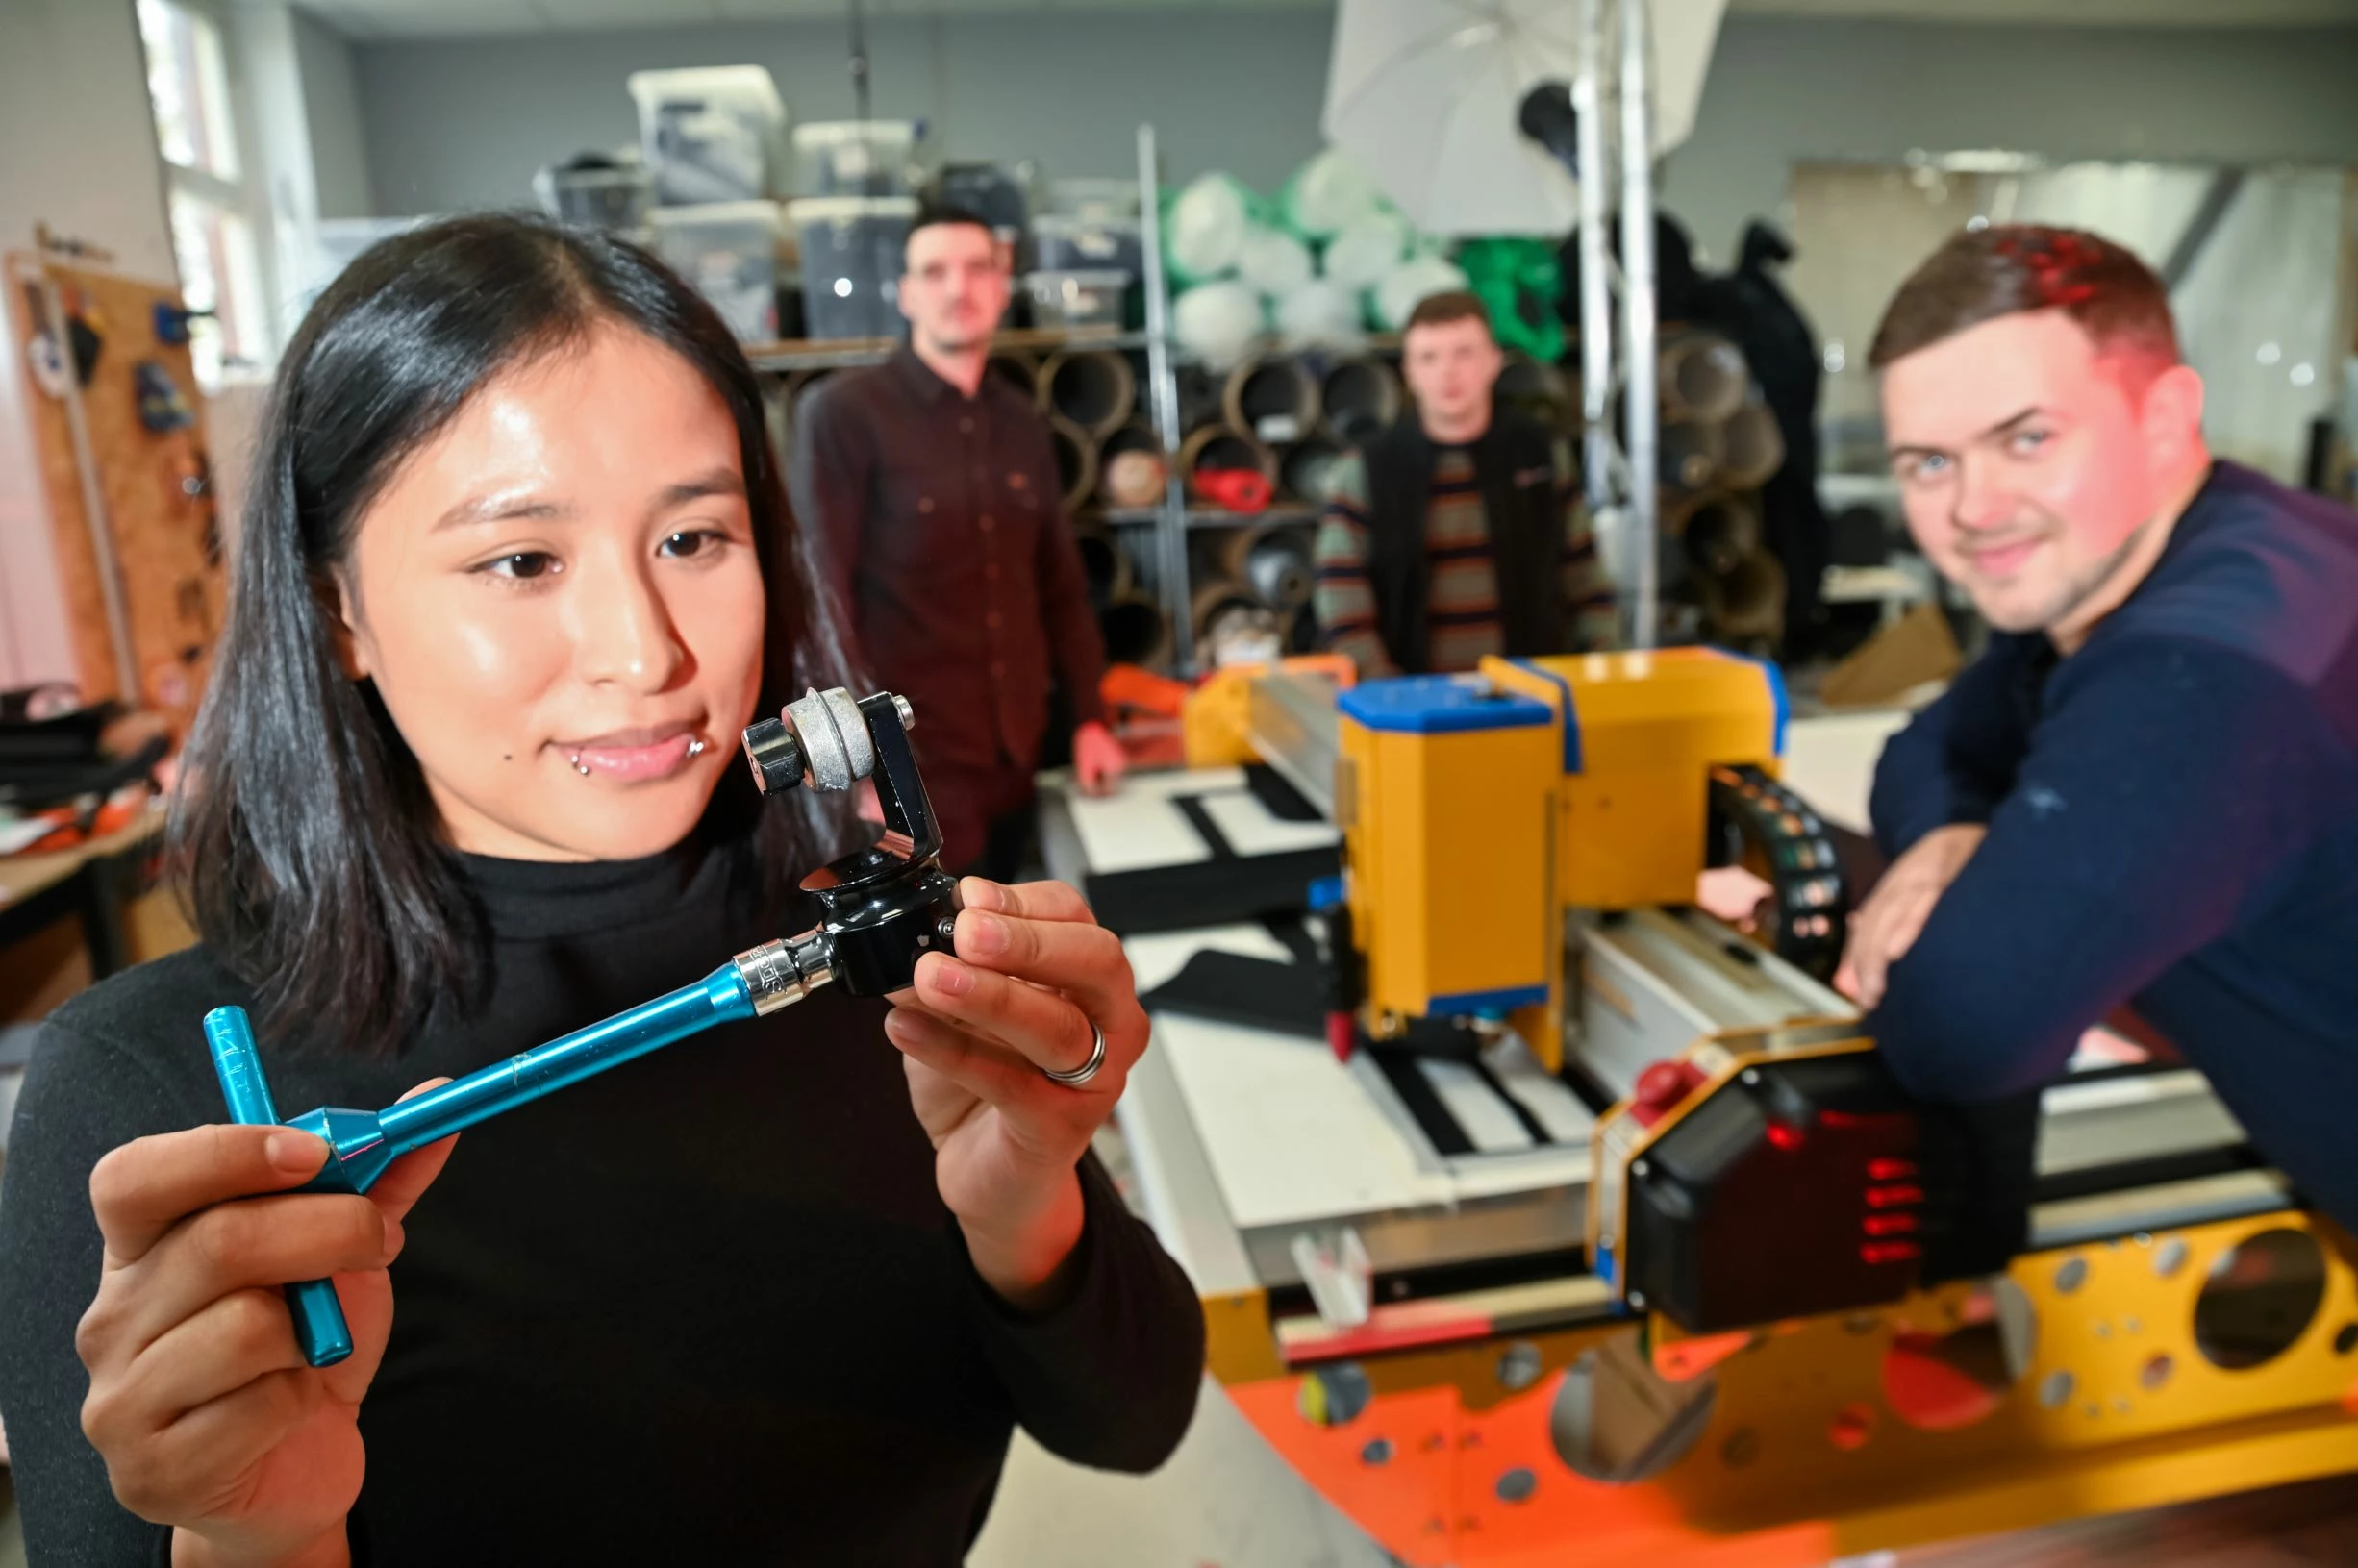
(1226, 1500)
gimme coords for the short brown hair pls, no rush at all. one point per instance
(1455, 305)
(2008, 269)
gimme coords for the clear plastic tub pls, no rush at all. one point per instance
(1077, 298)
(596, 198)
(729, 253)
(1113, 201)
(710, 135)
(855, 158)
(852, 250)
(1062, 243)
(993, 194)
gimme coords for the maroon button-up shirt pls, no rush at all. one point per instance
(938, 526)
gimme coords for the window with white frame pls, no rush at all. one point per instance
(207, 186)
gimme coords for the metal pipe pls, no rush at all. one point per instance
(1638, 334)
(1595, 287)
(1171, 529)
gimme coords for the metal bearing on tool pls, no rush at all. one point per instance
(836, 745)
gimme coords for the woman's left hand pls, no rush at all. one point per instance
(1035, 978)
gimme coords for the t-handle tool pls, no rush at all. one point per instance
(884, 906)
(318, 1316)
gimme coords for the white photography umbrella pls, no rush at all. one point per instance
(1424, 93)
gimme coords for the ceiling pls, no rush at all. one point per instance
(447, 18)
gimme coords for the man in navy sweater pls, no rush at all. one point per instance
(2143, 798)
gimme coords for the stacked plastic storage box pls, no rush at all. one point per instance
(715, 145)
(1087, 255)
(853, 221)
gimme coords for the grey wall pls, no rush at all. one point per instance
(464, 123)
(332, 112)
(1783, 91)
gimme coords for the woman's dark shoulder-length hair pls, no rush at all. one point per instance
(311, 854)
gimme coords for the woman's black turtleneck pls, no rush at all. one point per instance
(707, 1307)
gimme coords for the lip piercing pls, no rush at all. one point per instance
(695, 748)
(578, 768)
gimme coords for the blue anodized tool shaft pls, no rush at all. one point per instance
(363, 1143)
(318, 1316)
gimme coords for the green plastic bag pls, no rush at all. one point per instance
(1520, 281)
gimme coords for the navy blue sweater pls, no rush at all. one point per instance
(2173, 826)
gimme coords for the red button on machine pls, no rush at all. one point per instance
(1661, 1089)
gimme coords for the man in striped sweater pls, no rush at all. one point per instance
(1458, 532)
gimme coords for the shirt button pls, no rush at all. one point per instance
(992, 620)
(986, 525)
(926, 502)
(966, 427)
(991, 570)
(997, 667)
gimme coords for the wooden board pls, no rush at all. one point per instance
(165, 543)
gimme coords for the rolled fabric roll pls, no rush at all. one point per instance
(1360, 397)
(1306, 470)
(1702, 376)
(1222, 446)
(1755, 448)
(1400, 290)
(1716, 530)
(1130, 467)
(1217, 322)
(1076, 461)
(1273, 261)
(1275, 565)
(1321, 313)
(1273, 396)
(1537, 387)
(1365, 249)
(1232, 626)
(1093, 389)
(1135, 632)
(1692, 450)
(1745, 603)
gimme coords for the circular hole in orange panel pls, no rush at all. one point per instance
(2156, 1371)
(1334, 1396)
(2259, 1298)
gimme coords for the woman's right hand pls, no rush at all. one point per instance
(200, 1402)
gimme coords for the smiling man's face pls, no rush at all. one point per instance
(2029, 460)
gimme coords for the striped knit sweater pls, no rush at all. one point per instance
(1461, 577)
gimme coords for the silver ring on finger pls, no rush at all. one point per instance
(1078, 1076)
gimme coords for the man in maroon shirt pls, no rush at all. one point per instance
(934, 493)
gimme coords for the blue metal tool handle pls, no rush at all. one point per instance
(319, 1323)
(419, 1120)
(754, 982)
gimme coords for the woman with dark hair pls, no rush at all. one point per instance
(517, 568)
